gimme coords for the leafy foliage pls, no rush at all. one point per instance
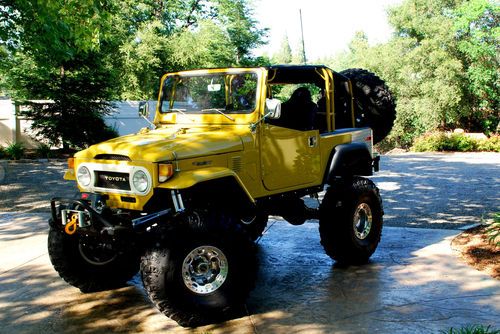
(56, 55)
(284, 54)
(492, 144)
(15, 151)
(472, 329)
(477, 28)
(440, 141)
(176, 35)
(442, 66)
(43, 151)
(494, 230)
(80, 54)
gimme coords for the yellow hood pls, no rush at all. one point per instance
(166, 145)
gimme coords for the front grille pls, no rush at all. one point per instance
(112, 157)
(112, 180)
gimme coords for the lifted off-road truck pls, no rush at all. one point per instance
(184, 201)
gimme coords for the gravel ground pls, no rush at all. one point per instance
(430, 190)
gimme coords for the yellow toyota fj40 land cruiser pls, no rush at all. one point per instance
(184, 201)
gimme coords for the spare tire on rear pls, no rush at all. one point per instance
(374, 105)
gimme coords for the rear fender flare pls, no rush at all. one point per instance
(348, 160)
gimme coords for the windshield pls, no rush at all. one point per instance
(209, 93)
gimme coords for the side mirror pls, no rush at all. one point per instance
(144, 109)
(273, 109)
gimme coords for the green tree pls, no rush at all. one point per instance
(80, 54)
(242, 29)
(284, 54)
(53, 54)
(449, 57)
(442, 65)
(477, 30)
(425, 29)
(145, 55)
(299, 54)
(180, 34)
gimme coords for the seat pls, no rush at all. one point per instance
(299, 112)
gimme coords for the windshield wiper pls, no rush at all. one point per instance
(219, 111)
(181, 111)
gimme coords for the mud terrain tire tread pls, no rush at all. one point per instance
(162, 275)
(375, 107)
(336, 221)
(73, 268)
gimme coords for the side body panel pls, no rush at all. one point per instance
(289, 157)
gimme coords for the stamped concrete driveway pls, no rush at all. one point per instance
(439, 190)
(414, 283)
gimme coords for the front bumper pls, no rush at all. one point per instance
(90, 216)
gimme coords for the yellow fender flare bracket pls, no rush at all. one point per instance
(70, 175)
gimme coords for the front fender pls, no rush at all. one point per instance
(191, 178)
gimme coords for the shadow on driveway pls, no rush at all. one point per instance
(413, 284)
(439, 190)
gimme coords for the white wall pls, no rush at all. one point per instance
(125, 119)
(7, 125)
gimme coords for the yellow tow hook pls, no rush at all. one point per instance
(70, 227)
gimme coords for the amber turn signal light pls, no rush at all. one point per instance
(165, 171)
(71, 163)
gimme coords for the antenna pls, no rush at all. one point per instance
(303, 45)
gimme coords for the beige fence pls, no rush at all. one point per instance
(13, 128)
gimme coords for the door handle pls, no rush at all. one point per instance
(313, 140)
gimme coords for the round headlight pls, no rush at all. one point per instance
(83, 176)
(140, 181)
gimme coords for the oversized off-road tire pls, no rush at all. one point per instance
(375, 107)
(200, 276)
(350, 223)
(254, 226)
(88, 265)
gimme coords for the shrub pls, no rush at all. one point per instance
(491, 144)
(459, 142)
(386, 145)
(494, 230)
(440, 141)
(474, 329)
(3, 154)
(429, 142)
(43, 151)
(15, 151)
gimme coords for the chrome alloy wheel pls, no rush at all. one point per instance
(362, 221)
(204, 269)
